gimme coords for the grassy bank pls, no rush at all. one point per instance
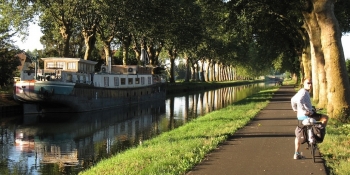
(336, 147)
(177, 151)
(6, 98)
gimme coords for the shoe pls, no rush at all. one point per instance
(298, 156)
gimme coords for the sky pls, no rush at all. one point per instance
(33, 41)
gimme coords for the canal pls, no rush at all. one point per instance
(66, 143)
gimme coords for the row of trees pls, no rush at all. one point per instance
(299, 36)
(7, 51)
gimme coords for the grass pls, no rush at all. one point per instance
(335, 147)
(177, 151)
(6, 98)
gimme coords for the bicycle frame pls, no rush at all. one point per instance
(309, 122)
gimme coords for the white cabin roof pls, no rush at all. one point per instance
(69, 59)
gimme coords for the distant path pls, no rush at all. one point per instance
(264, 146)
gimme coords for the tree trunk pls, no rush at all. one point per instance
(107, 50)
(215, 71)
(172, 55)
(196, 70)
(188, 73)
(211, 71)
(201, 72)
(338, 87)
(206, 75)
(90, 40)
(126, 42)
(66, 34)
(306, 60)
(318, 71)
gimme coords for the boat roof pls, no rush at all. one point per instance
(68, 59)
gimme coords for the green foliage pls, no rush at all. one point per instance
(335, 147)
(118, 57)
(8, 65)
(8, 61)
(15, 16)
(181, 71)
(347, 62)
(255, 35)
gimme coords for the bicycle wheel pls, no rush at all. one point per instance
(313, 149)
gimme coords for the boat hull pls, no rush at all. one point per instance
(50, 96)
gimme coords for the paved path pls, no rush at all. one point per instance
(264, 146)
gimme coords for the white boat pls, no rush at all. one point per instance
(72, 85)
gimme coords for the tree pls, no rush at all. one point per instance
(109, 24)
(330, 37)
(89, 17)
(184, 30)
(16, 16)
(348, 66)
(63, 16)
(338, 86)
(8, 61)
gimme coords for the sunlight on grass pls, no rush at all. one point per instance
(335, 147)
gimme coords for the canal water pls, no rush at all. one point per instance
(64, 143)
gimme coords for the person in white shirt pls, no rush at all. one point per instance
(301, 103)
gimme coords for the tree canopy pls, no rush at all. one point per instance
(299, 36)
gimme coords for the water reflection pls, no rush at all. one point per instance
(68, 143)
(187, 107)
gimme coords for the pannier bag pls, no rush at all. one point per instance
(301, 134)
(319, 132)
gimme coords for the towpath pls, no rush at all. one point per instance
(264, 146)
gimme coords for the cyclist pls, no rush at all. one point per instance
(301, 103)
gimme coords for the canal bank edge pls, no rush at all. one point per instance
(185, 87)
(8, 106)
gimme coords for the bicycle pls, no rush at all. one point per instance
(311, 141)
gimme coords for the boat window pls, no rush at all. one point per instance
(50, 64)
(106, 81)
(72, 66)
(122, 81)
(116, 81)
(149, 80)
(130, 81)
(142, 80)
(137, 80)
(60, 65)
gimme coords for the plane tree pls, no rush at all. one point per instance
(63, 15)
(109, 25)
(16, 17)
(183, 29)
(14, 20)
(8, 62)
(329, 35)
(89, 18)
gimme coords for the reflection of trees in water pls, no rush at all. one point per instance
(201, 103)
